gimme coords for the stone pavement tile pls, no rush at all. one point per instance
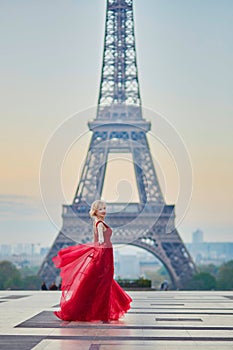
(15, 296)
(12, 342)
(101, 345)
(173, 345)
(120, 332)
(188, 345)
(211, 334)
(132, 347)
(214, 346)
(197, 346)
(114, 342)
(96, 332)
(169, 334)
(133, 319)
(63, 345)
(218, 320)
(79, 332)
(26, 331)
(140, 318)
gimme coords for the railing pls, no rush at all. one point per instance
(121, 208)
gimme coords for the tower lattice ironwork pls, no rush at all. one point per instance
(119, 127)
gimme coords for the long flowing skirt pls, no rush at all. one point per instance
(89, 291)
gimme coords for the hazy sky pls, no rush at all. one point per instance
(51, 56)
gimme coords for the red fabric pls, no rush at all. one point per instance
(89, 292)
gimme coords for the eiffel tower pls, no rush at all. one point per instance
(119, 127)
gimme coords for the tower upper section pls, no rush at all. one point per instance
(119, 84)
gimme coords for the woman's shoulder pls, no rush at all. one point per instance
(101, 223)
(98, 222)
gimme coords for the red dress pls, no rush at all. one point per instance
(89, 292)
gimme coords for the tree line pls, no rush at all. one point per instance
(212, 277)
(15, 279)
(208, 277)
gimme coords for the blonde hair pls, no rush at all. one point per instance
(95, 206)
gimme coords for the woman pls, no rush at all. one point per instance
(89, 292)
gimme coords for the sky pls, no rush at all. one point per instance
(51, 57)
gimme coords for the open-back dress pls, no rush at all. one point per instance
(89, 291)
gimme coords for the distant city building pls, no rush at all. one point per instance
(44, 251)
(18, 248)
(27, 249)
(23, 254)
(211, 252)
(134, 265)
(128, 266)
(197, 236)
(5, 250)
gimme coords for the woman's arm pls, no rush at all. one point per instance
(100, 230)
(95, 233)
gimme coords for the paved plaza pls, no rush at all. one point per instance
(157, 320)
